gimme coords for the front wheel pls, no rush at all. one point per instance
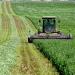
(30, 40)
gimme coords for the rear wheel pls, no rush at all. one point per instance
(70, 36)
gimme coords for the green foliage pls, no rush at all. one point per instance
(61, 52)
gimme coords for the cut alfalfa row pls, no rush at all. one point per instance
(6, 28)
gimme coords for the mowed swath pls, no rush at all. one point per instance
(29, 61)
(6, 28)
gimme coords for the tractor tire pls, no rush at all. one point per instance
(30, 40)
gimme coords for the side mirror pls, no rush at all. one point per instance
(39, 21)
(58, 21)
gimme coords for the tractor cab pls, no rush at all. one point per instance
(49, 24)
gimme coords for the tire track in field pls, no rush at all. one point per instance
(6, 28)
(8, 6)
(30, 61)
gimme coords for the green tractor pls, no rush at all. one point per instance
(49, 30)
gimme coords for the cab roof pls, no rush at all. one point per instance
(48, 17)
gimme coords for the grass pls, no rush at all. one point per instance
(33, 11)
(60, 51)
